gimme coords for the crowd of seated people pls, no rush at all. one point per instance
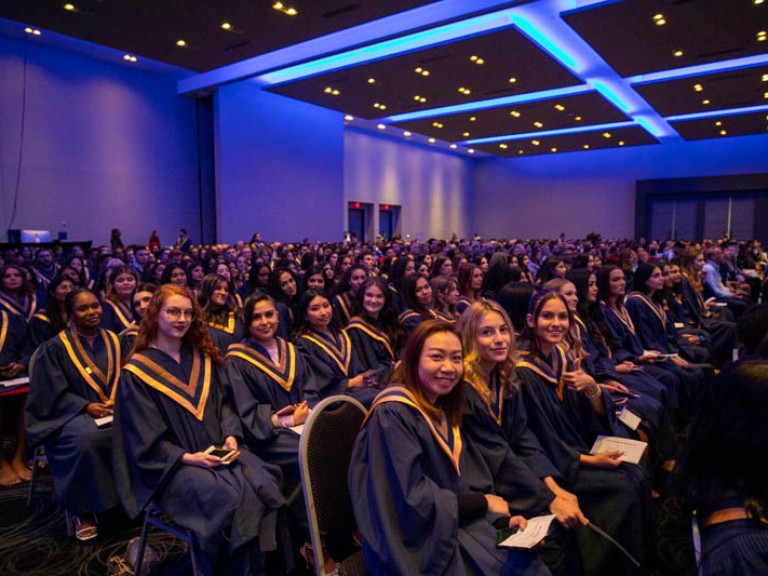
(490, 368)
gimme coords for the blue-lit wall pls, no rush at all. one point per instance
(104, 145)
(280, 167)
(575, 193)
(433, 187)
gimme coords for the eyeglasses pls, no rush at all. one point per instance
(174, 314)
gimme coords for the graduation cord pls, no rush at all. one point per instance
(613, 541)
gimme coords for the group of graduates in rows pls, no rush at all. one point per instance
(485, 398)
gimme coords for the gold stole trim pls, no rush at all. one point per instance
(660, 314)
(122, 312)
(229, 327)
(286, 352)
(405, 315)
(342, 356)
(4, 328)
(87, 367)
(360, 324)
(552, 374)
(151, 373)
(343, 300)
(26, 309)
(395, 394)
(623, 317)
(43, 317)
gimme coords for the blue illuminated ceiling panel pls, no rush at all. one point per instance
(493, 65)
(724, 126)
(537, 145)
(568, 112)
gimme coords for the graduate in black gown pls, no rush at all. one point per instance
(74, 382)
(346, 293)
(329, 353)
(519, 469)
(374, 331)
(139, 304)
(268, 377)
(220, 310)
(722, 476)
(567, 411)
(53, 318)
(13, 364)
(412, 502)
(17, 293)
(418, 302)
(171, 408)
(122, 283)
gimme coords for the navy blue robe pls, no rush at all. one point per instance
(404, 480)
(68, 375)
(117, 316)
(372, 347)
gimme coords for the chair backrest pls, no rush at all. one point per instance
(325, 450)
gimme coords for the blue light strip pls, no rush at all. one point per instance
(544, 134)
(718, 113)
(485, 104)
(699, 70)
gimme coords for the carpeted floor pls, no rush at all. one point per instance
(34, 541)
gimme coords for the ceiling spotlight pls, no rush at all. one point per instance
(407, 134)
(723, 132)
(129, 58)
(437, 124)
(512, 80)
(465, 91)
(521, 151)
(515, 114)
(472, 118)
(281, 7)
(332, 91)
(349, 118)
(553, 149)
(538, 124)
(431, 140)
(465, 134)
(471, 150)
(761, 36)
(621, 142)
(578, 118)
(181, 43)
(453, 146)
(678, 53)
(33, 31)
(606, 134)
(758, 2)
(477, 60)
(659, 20)
(371, 80)
(698, 87)
(381, 126)
(503, 146)
(69, 7)
(422, 71)
(705, 102)
(379, 106)
(586, 146)
(535, 142)
(226, 26)
(765, 78)
(559, 107)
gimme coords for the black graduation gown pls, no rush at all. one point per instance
(618, 499)
(165, 409)
(259, 388)
(342, 308)
(373, 347)
(117, 316)
(404, 479)
(225, 333)
(12, 339)
(39, 330)
(25, 307)
(333, 362)
(68, 375)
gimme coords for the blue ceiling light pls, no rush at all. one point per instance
(544, 134)
(485, 104)
(718, 113)
(700, 69)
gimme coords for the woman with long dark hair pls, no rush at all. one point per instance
(418, 301)
(120, 286)
(17, 293)
(346, 293)
(171, 409)
(220, 311)
(470, 285)
(53, 318)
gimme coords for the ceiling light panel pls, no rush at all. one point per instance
(454, 78)
(627, 35)
(620, 138)
(576, 111)
(731, 89)
(740, 125)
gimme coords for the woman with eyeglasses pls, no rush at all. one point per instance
(171, 408)
(72, 388)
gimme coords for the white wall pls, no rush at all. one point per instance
(104, 145)
(576, 193)
(433, 188)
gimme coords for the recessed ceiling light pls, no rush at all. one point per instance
(371, 80)
(422, 71)
(586, 146)
(758, 2)
(332, 91)
(465, 134)
(407, 134)
(606, 134)
(538, 124)
(535, 142)
(477, 60)
(521, 151)
(723, 132)
(69, 7)
(281, 7)
(553, 149)
(761, 36)
(515, 114)
(765, 78)
(379, 106)
(578, 118)
(437, 124)
(471, 150)
(765, 94)
(512, 80)
(678, 53)
(659, 20)
(705, 102)
(621, 142)
(349, 118)
(465, 91)
(453, 146)
(559, 107)
(381, 126)
(472, 118)
(718, 123)
(33, 31)
(129, 58)
(226, 26)
(181, 43)
(503, 146)
(431, 140)
(698, 87)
